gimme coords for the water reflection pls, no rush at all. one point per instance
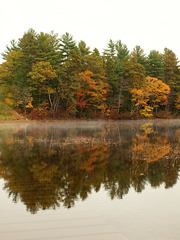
(53, 165)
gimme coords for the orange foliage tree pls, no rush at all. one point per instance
(91, 93)
(151, 94)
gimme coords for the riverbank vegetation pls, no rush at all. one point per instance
(44, 76)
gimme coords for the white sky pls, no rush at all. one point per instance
(152, 24)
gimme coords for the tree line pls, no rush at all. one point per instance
(45, 75)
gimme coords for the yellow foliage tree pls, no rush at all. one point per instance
(43, 75)
(151, 94)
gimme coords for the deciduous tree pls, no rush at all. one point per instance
(152, 94)
(91, 93)
(44, 81)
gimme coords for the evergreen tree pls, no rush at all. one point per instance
(122, 51)
(47, 49)
(27, 47)
(171, 67)
(68, 79)
(171, 75)
(141, 56)
(134, 71)
(84, 50)
(13, 47)
(155, 65)
(114, 58)
(66, 45)
(111, 50)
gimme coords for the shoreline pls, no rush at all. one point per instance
(82, 120)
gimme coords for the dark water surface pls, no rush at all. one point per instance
(90, 180)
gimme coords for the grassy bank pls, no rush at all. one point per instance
(7, 113)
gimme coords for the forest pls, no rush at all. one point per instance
(44, 76)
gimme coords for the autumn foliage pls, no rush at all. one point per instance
(44, 71)
(152, 94)
(91, 94)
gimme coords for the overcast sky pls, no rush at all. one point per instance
(152, 24)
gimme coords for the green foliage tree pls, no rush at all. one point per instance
(141, 56)
(134, 71)
(117, 49)
(171, 75)
(122, 51)
(154, 66)
(111, 48)
(27, 47)
(84, 50)
(48, 49)
(68, 82)
(114, 57)
(66, 45)
(171, 67)
(94, 63)
(12, 78)
(13, 47)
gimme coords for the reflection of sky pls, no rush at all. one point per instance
(153, 214)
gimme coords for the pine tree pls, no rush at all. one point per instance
(111, 49)
(84, 50)
(48, 49)
(171, 75)
(122, 51)
(141, 56)
(66, 45)
(154, 66)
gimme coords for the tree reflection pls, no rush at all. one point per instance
(57, 168)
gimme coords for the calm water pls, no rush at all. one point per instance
(90, 180)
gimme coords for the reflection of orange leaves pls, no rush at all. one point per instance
(9, 141)
(143, 149)
(98, 155)
(43, 172)
(154, 154)
(141, 137)
(139, 147)
(88, 165)
(30, 139)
